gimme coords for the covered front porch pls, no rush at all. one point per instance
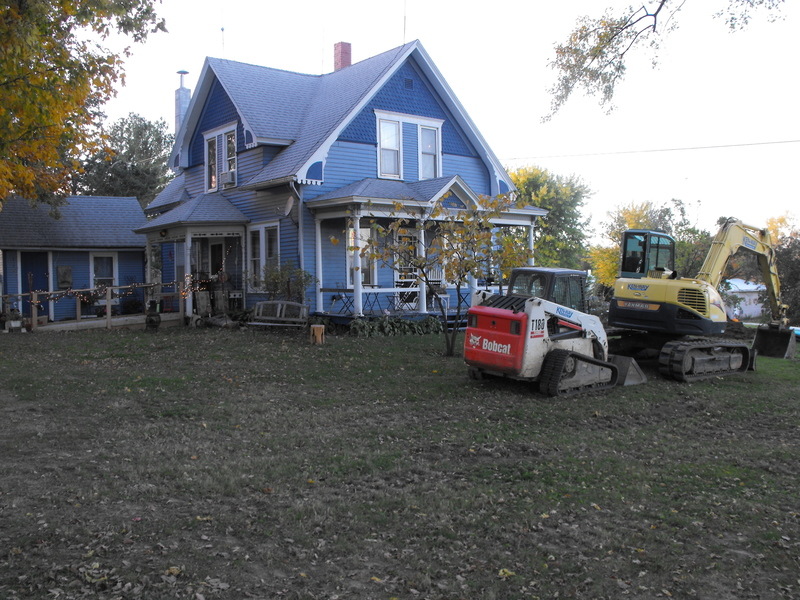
(202, 244)
(352, 282)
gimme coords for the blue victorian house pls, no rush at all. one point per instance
(276, 167)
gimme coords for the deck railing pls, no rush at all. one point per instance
(86, 297)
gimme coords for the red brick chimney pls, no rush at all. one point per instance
(341, 55)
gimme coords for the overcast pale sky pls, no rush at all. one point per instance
(716, 124)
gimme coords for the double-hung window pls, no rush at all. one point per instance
(429, 153)
(230, 151)
(221, 157)
(390, 149)
(263, 251)
(211, 163)
(411, 143)
(103, 271)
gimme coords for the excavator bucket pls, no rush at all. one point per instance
(776, 342)
(630, 373)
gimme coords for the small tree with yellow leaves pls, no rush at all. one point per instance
(460, 243)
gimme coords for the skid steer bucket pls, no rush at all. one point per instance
(630, 373)
(776, 342)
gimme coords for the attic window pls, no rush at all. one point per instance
(409, 84)
(220, 158)
(211, 164)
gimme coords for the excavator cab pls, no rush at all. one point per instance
(647, 253)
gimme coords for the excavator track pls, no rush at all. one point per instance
(702, 359)
(565, 373)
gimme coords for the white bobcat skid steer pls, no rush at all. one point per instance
(533, 339)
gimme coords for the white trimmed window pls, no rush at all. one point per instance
(390, 149)
(369, 267)
(104, 271)
(430, 153)
(263, 250)
(220, 165)
(230, 150)
(211, 163)
(391, 145)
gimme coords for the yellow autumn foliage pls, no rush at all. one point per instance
(54, 78)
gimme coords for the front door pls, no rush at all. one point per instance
(217, 258)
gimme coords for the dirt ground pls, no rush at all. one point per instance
(212, 464)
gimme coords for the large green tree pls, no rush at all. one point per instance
(788, 257)
(133, 161)
(593, 57)
(55, 75)
(560, 237)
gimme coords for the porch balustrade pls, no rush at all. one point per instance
(34, 308)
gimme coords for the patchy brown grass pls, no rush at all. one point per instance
(214, 464)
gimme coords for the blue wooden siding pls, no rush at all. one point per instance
(472, 171)
(168, 263)
(10, 272)
(64, 309)
(264, 205)
(334, 263)
(131, 267)
(218, 110)
(354, 155)
(347, 162)
(410, 152)
(420, 100)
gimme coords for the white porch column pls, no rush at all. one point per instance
(357, 275)
(472, 282)
(422, 296)
(187, 277)
(530, 243)
(318, 260)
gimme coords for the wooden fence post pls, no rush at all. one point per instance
(181, 302)
(108, 307)
(34, 310)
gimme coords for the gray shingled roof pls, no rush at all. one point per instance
(206, 209)
(172, 195)
(303, 108)
(272, 102)
(86, 222)
(383, 189)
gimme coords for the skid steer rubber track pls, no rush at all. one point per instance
(703, 359)
(565, 373)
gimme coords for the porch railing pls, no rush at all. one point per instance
(392, 300)
(36, 300)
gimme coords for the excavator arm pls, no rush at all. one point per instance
(732, 236)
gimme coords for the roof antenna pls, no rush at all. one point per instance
(222, 31)
(405, 12)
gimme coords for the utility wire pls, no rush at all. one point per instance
(652, 150)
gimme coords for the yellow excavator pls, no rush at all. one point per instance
(653, 308)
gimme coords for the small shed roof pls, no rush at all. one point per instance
(82, 222)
